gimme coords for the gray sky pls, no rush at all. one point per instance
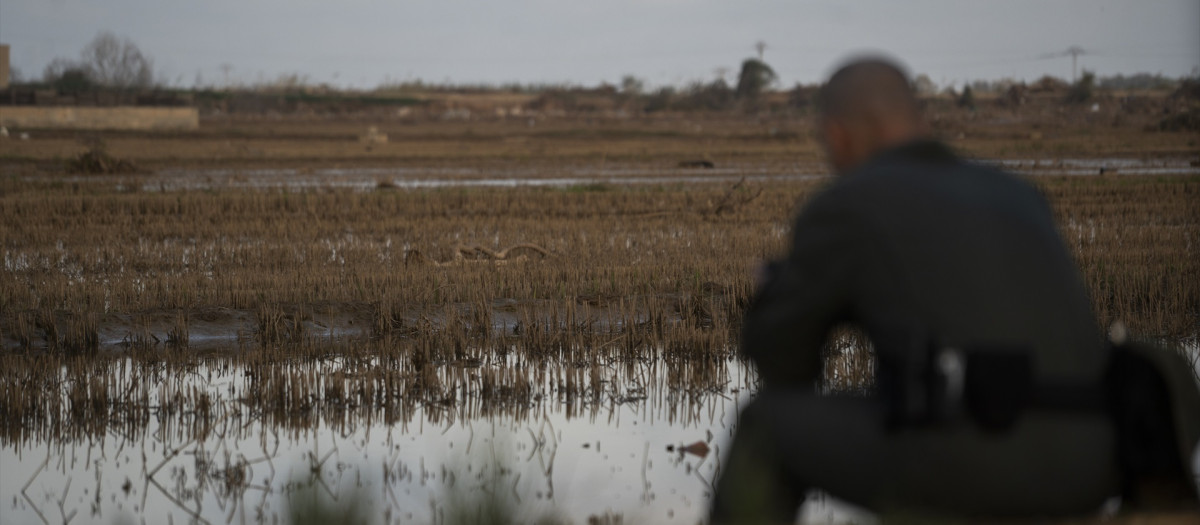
(362, 43)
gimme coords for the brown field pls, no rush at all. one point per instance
(95, 259)
(1042, 127)
(344, 306)
(654, 271)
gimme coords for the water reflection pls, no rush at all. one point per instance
(558, 458)
(429, 177)
(235, 439)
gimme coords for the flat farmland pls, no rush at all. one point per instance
(274, 308)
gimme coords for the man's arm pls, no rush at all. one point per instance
(805, 294)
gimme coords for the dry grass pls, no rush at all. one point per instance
(85, 250)
(623, 294)
(601, 294)
(659, 139)
(1137, 240)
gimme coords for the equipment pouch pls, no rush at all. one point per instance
(990, 385)
(998, 386)
(1155, 405)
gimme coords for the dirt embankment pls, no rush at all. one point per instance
(485, 129)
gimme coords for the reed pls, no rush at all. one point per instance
(633, 293)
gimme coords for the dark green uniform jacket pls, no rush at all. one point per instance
(920, 248)
(923, 251)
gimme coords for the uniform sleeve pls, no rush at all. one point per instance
(805, 294)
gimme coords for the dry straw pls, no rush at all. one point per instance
(606, 297)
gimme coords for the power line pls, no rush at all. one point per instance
(1073, 52)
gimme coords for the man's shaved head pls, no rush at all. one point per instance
(867, 86)
(866, 106)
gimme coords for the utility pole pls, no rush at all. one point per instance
(761, 47)
(225, 69)
(1074, 51)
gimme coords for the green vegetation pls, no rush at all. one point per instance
(756, 76)
(1083, 90)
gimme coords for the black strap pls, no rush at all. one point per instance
(1068, 397)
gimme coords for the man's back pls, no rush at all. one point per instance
(969, 256)
(926, 253)
(922, 249)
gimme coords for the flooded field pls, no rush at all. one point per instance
(383, 430)
(612, 448)
(433, 344)
(432, 177)
(221, 440)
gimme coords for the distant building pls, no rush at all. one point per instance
(3, 66)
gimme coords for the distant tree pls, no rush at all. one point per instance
(108, 61)
(1082, 90)
(967, 98)
(285, 82)
(660, 100)
(1047, 84)
(116, 62)
(68, 76)
(755, 77)
(1137, 81)
(1015, 96)
(74, 81)
(631, 85)
(715, 96)
(924, 85)
(1188, 89)
(801, 96)
(981, 86)
(57, 67)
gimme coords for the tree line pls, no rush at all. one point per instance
(115, 63)
(107, 62)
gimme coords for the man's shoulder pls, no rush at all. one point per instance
(898, 187)
(927, 164)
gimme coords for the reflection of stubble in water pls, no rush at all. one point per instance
(367, 179)
(230, 441)
(212, 452)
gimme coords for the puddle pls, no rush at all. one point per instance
(441, 177)
(432, 177)
(217, 329)
(557, 458)
(1098, 166)
(609, 447)
(437, 177)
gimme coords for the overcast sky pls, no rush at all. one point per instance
(363, 43)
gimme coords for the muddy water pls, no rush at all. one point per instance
(619, 452)
(173, 179)
(615, 452)
(426, 178)
(432, 463)
(620, 456)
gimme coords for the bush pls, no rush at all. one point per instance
(96, 160)
(1188, 121)
(1082, 90)
(714, 96)
(755, 77)
(967, 99)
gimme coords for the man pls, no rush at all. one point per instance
(957, 274)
